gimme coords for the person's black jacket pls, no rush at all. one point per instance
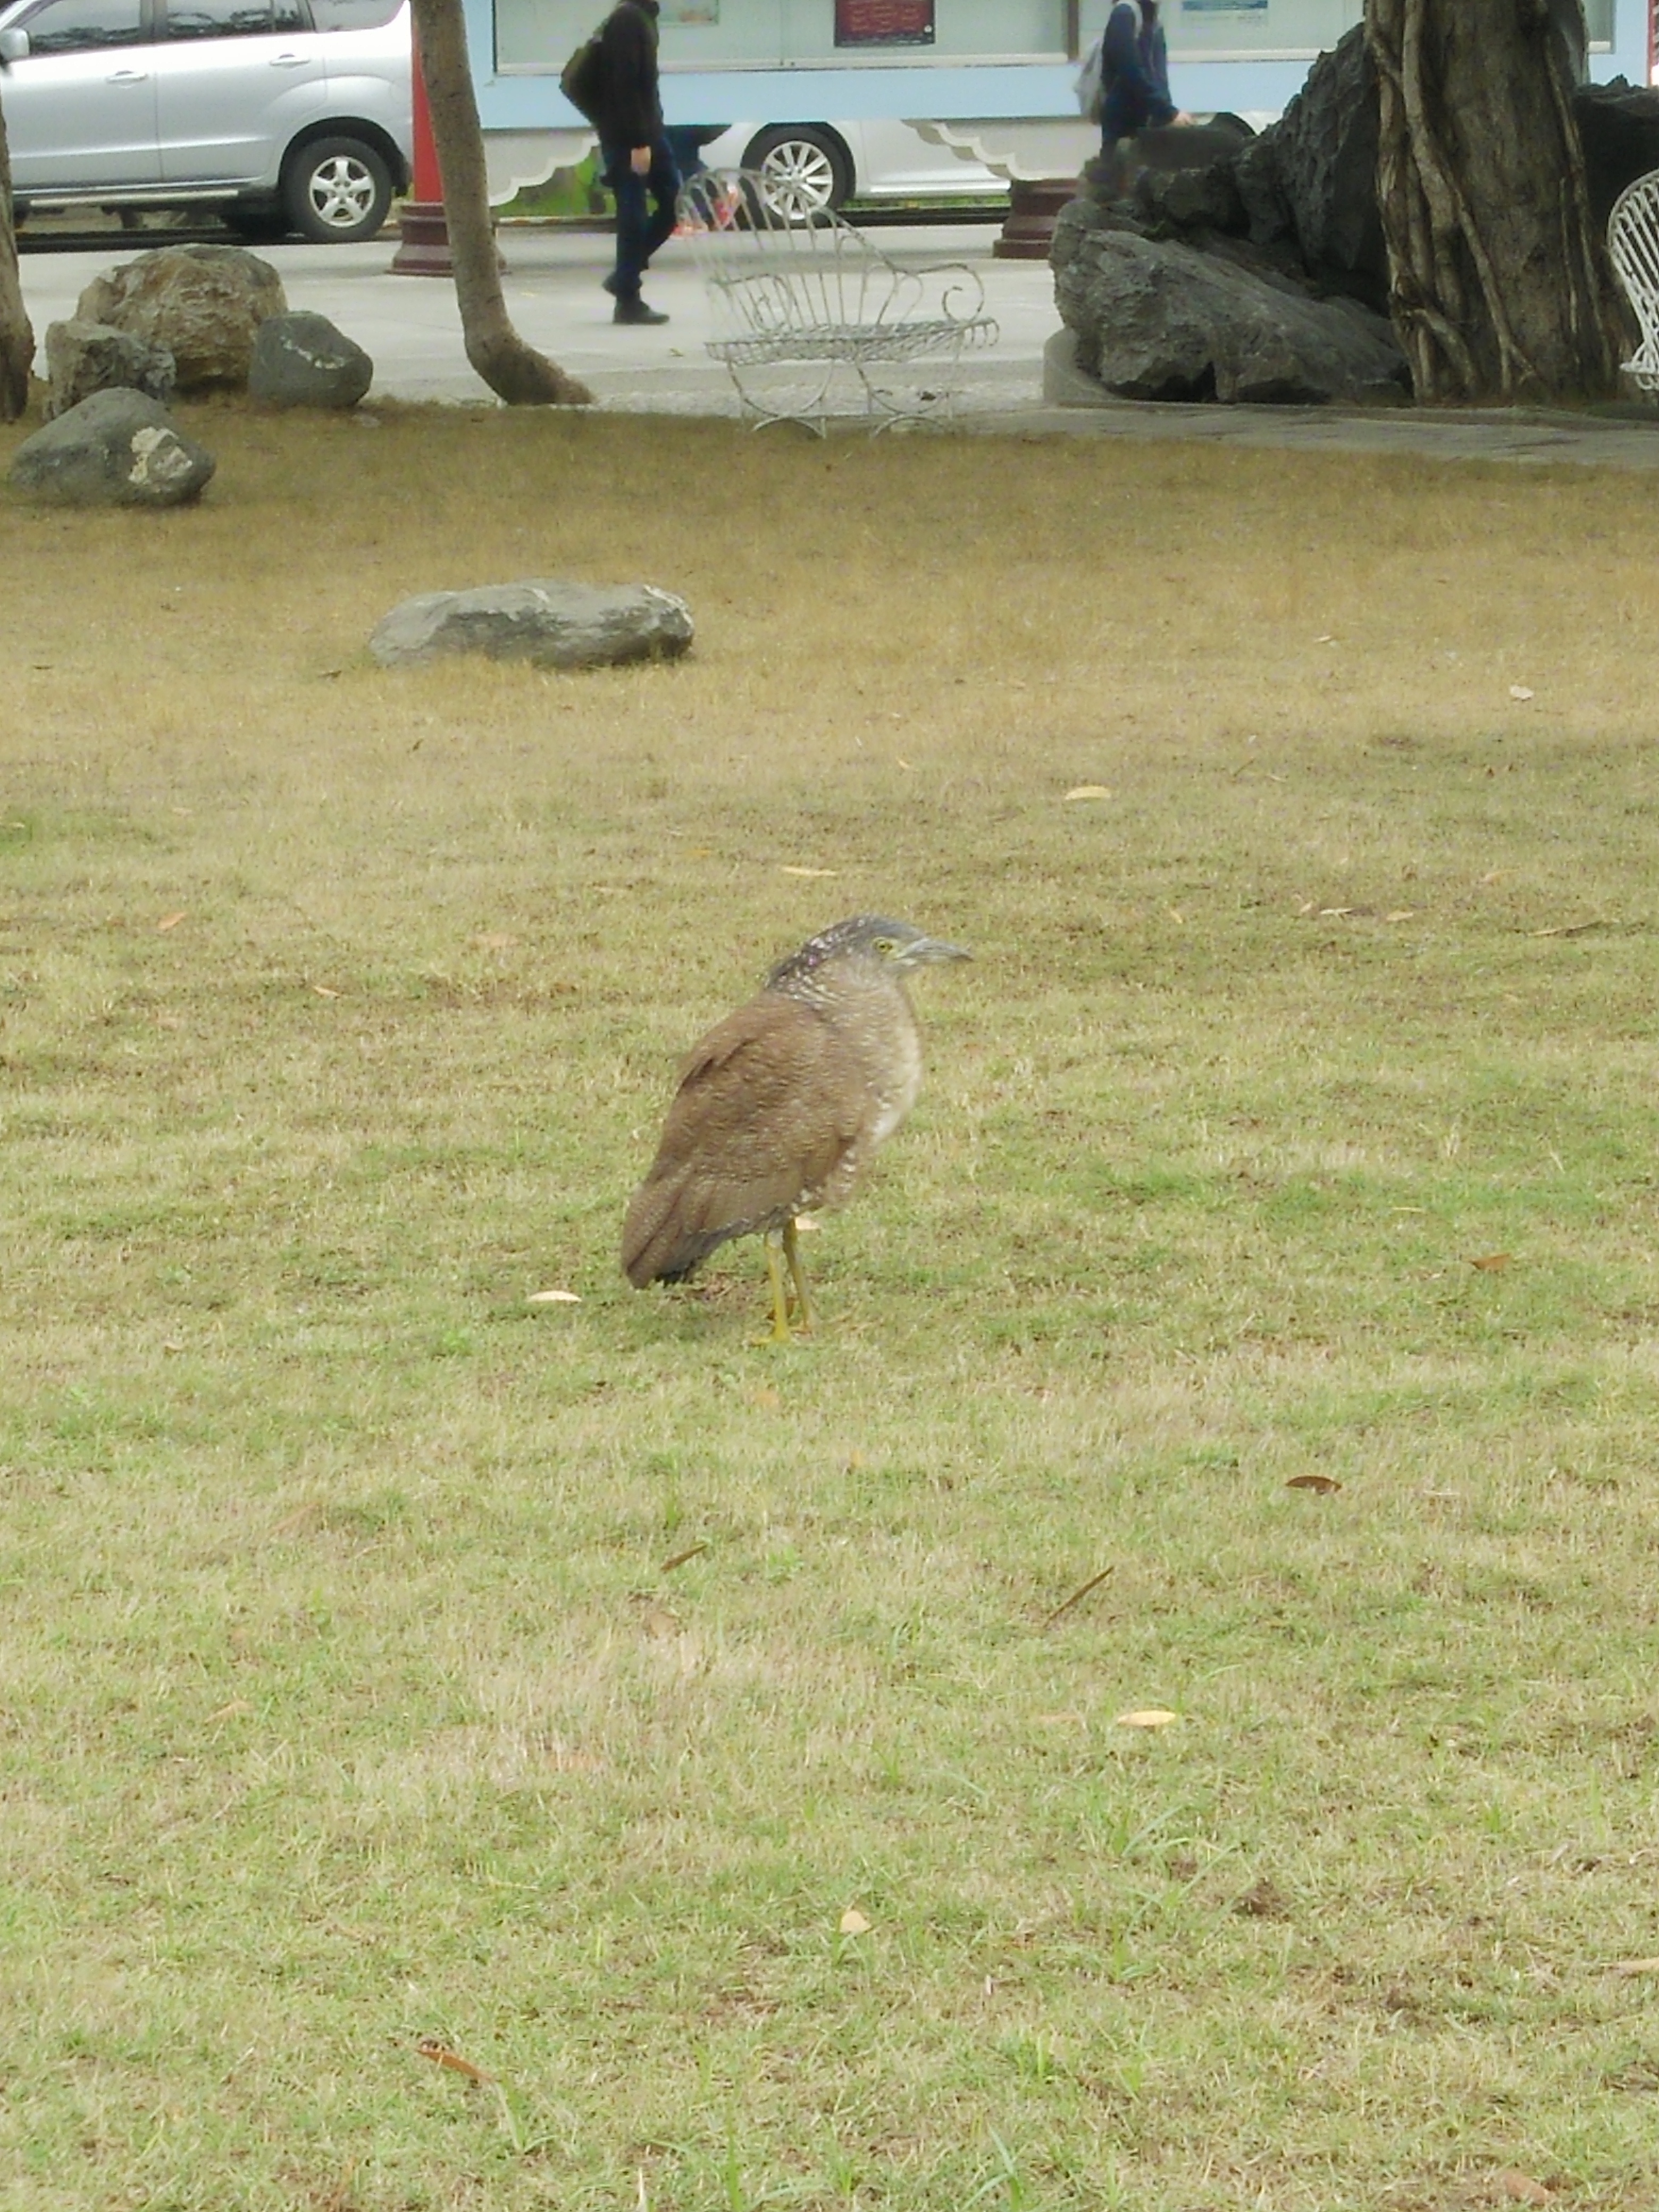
(630, 111)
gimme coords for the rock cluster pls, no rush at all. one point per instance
(553, 623)
(203, 303)
(1255, 268)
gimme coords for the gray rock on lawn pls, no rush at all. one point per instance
(116, 448)
(1158, 320)
(301, 360)
(205, 303)
(82, 358)
(544, 620)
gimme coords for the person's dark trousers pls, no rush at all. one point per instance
(639, 234)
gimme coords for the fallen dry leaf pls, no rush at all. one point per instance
(1323, 1484)
(1088, 791)
(1521, 692)
(1493, 1263)
(1147, 1717)
(1520, 2188)
(814, 873)
(323, 991)
(1637, 1966)
(170, 921)
(852, 1922)
(553, 1298)
(441, 2055)
(691, 1552)
(1400, 913)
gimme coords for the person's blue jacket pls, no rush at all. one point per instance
(1135, 72)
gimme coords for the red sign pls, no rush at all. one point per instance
(884, 22)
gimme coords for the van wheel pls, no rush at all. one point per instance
(337, 190)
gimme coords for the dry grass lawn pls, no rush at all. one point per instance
(384, 1657)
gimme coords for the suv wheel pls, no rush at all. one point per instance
(337, 190)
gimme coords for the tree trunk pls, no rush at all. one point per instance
(511, 369)
(16, 338)
(1500, 284)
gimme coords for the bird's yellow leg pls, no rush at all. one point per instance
(780, 1329)
(805, 1316)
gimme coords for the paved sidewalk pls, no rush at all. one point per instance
(410, 327)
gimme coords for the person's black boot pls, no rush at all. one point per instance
(636, 311)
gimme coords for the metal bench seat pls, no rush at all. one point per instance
(1633, 243)
(798, 295)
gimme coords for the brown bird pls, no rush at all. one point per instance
(782, 1105)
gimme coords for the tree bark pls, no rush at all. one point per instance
(511, 369)
(1500, 284)
(16, 338)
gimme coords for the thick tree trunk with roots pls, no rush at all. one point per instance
(16, 338)
(511, 369)
(1500, 288)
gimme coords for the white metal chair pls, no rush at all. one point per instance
(801, 299)
(1633, 242)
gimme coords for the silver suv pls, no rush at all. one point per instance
(286, 114)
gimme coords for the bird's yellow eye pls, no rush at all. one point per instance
(885, 945)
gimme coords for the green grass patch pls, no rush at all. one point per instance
(698, 1741)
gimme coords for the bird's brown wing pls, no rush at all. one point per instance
(768, 1104)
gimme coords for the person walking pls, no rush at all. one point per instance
(1135, 78)
(633, 148)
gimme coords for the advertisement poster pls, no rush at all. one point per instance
(884, 22)
(677, 12)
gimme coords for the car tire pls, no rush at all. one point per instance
(337, 190)
(804, 169)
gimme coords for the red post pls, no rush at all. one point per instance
(423, 250)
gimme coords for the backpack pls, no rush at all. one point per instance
(1090, 81)
(582, 78)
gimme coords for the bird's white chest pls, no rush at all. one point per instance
(900, 1086)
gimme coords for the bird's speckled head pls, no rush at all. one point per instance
(891, 944)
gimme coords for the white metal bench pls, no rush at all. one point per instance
(801, 300)
(1633, 242)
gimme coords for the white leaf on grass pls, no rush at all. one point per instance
(1088, 791)
(1147, 1717)
(814, 872)
(852, 1922)
(1521, 691)
(553, 1298)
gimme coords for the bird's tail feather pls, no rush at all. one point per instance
(660, 1243)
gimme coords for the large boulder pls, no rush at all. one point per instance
(1311, 177)
(1618, 124)
(553, 623)
(301, 360)
(116, 448)
(82, 358)
(205, 303)
(1155, 319)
